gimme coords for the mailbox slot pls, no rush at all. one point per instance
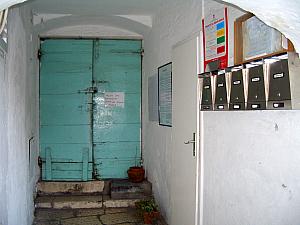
(221, 101)
(279, 81)
(237, 94)
(256, 88)
(206, 101)
(279, 85)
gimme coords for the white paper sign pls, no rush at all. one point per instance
(114, 99)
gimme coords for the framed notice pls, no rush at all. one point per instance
(165, 95)
(215, 38)
(253, 40)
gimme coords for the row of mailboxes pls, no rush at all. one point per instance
(270, 84)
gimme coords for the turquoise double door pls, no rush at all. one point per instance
(90, 108)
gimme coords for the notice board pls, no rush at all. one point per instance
(259, 39)
(165, 95)
(254, 40)
(215, 38)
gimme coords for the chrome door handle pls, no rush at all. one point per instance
(193, 141)
(189, 142)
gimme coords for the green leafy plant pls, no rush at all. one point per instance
(147, 206)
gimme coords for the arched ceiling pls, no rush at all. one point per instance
(283, 15)
(91, 31)
(112, 21)
(96, 7)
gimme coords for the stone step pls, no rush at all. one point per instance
(83, 202)
(124, 189)
(61, 188)
(69, 202)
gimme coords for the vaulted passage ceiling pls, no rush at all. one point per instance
(282, 15)
(96, 7)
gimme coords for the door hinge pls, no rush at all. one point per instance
(40, 162)
(39, 54)
(142, 52)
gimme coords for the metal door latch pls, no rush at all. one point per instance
(90, 90)
(193, 141)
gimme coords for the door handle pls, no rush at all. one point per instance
(193, 141)
(189, 142)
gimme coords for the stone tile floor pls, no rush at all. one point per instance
(111, 216)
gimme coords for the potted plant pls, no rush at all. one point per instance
(136, 174)
(149, 210)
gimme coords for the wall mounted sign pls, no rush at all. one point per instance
(255, 40)
(215, 38)
(165, 95)
(114, 99)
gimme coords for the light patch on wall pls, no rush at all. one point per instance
(146, 20)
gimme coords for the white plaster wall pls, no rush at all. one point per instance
(21, 110)
(251, 168)
(3, 140)
(176, 21)
(236, 191)
(251, 162)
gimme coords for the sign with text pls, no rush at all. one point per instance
(114, 99)
(215, 38)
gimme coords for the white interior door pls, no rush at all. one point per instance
(184, 162)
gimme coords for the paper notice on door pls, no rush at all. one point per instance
(114, 99)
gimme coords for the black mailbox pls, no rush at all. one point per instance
(221, 101)
(279, 85)
(237, 94)
(206, 101)
(256, 88)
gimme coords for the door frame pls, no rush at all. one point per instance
(40, 40)
(200, 135)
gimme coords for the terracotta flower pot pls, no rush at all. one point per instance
(150, 216)
(147, 218)
(136, 174)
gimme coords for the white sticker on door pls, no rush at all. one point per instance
(114, 99)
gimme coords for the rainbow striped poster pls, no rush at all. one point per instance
(215, 38)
